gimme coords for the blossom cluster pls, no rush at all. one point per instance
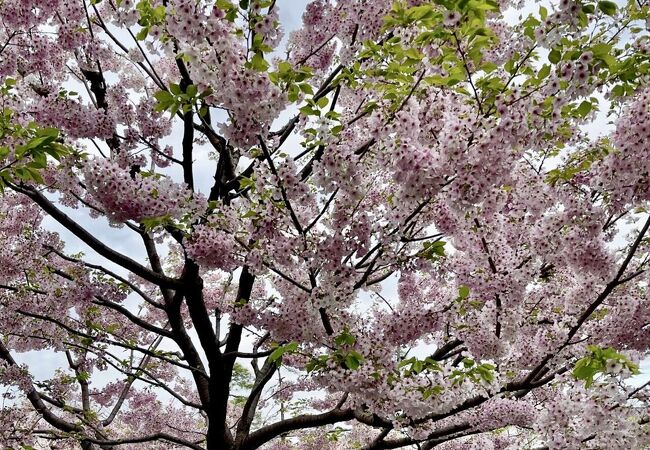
(124, 196)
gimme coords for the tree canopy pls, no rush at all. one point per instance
(400, 224)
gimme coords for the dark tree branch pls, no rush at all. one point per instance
(36, 401)
(494, 270)
(250, 407)
(269, 432)
(221, 370)
(283, 192)
(322, 211)
(150, 438)
(132, 317)
(609, 288)
(442, 351)
(69, 329)
(188, 132)
(110, 273)
(94, 243)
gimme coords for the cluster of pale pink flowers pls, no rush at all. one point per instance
(78, 120)
(576, 420)
(624, 174)
(15, 375)
(212, 248)
(268, 25)
(217, 62)
(125, 196)
(310, 45)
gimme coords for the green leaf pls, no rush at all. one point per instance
(284, 67)
(618, 91)
(433, 250)
(158, 14)
(48, 131)
(151, 223)
(142, 34)
(246, 183)
(165, 100)
(175, 89)
(277, 354)
(306, 88)
(554, 56)
(35, 175)
(603, 52)
(345, 338)
(248, 214)
(258, 63)
(420, 12)
(293, 93)
(435, 390)
(35, 143)
(544, 72)
(191, 90)
(588, 9)
(274, 77)
(488, 67)
(586, 369)
(463, 292)
(39, 160)
(353, 360)
(224, 4)
(308, 110)
(596, 362)
(163, 96)
(414, 54)
(584, 109)
(543, 12)
(607, 7)
(322, 102)
(317, 363)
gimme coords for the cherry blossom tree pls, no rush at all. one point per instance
(388, 228)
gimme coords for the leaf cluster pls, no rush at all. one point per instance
(595, 363)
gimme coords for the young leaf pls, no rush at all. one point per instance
(607, 7)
